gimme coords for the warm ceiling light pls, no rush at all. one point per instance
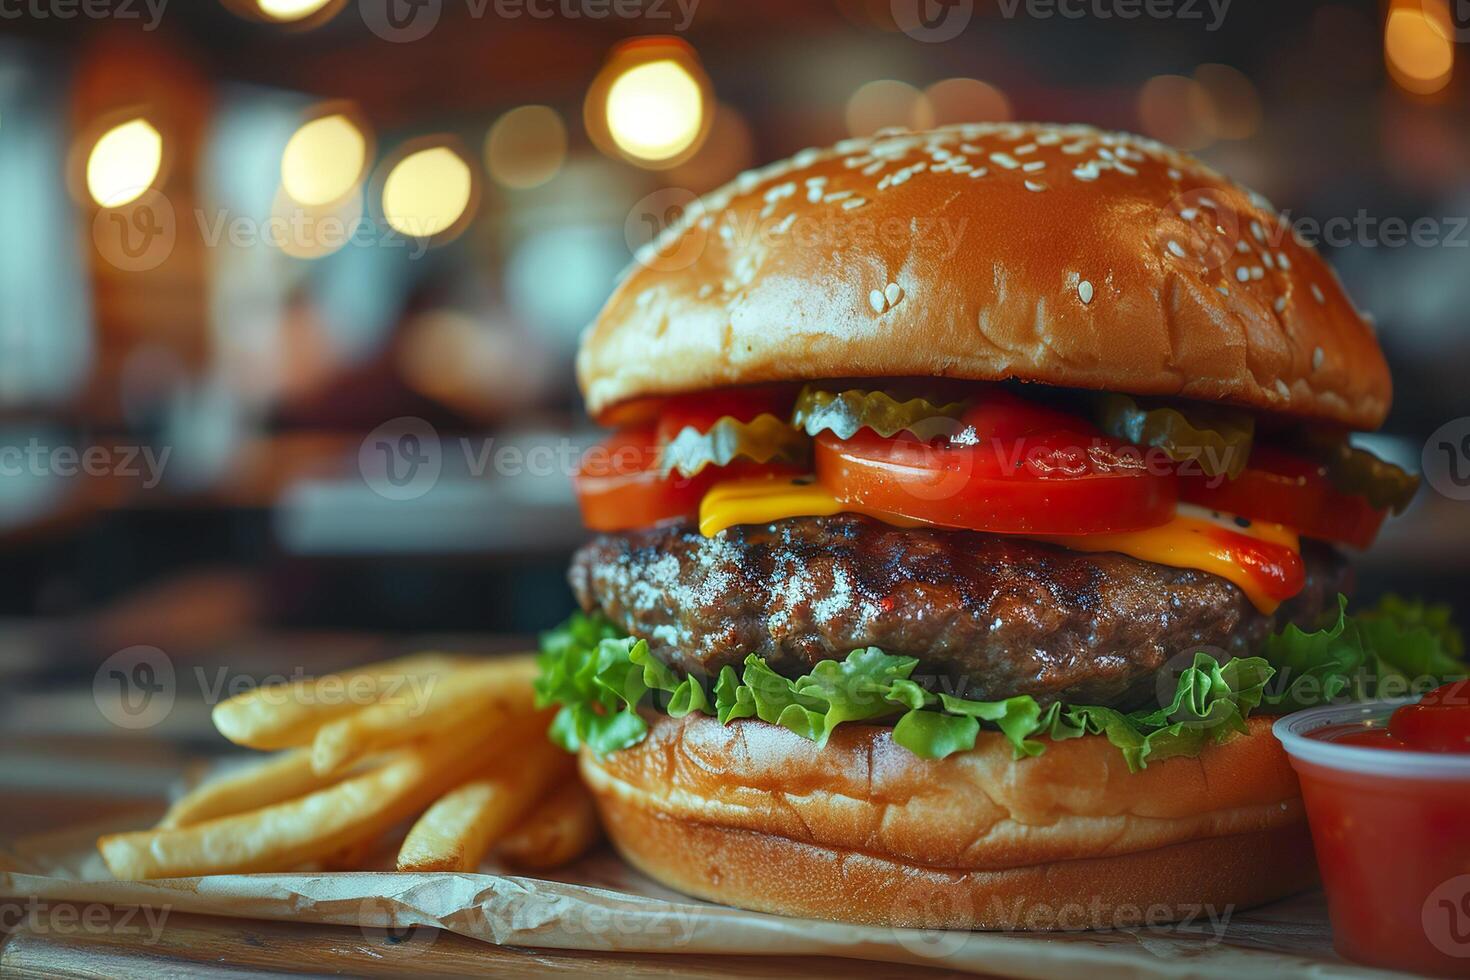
(1233, 97)
(323, 160)
(124, 163)
(887, 103)
(427, 192)
(288, 10)
(655, 110)
(1418, 48)
(526, 147)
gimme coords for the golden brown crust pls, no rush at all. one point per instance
(752, 815)
(888, 257)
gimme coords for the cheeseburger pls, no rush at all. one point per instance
(972, 500)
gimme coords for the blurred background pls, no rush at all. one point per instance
(251, 249)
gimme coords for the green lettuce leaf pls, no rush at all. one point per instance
(603, 680)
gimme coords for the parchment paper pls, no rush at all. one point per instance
(602, 904)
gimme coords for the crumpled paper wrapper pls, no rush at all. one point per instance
(601, 904)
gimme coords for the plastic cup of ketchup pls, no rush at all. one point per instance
(1387, 791)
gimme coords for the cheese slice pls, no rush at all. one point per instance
(1184, 542)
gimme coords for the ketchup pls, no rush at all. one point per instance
(1393, 837)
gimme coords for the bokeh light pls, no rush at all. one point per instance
(655, 111)
(1418, 46)
(1178, 111)
(124, 163)
(289, 10)
(960, 100)
(427, 192)
(887, 103)
(526, 147)
(1234, 100)
(323, 160)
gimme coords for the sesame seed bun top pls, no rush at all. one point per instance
(1058, 254)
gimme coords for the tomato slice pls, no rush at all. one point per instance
(1440, 722)
(1014, 468)
(620, 487)
(1286, 489)
(701, 411)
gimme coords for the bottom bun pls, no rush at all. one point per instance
(861, 830)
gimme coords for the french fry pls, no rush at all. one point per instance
(557, 830)
(284, 776)
(458, 831)
(498, 688)
(307, 829)
(282, 716)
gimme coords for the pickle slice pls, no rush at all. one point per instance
(1217, 440)
(762, 440)
(1358, 472)
(843, 413)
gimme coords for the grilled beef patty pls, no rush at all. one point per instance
(987, 615)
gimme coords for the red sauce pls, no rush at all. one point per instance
(1394, 850)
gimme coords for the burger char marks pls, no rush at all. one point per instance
(987, 615)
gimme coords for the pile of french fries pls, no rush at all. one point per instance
(457, 744)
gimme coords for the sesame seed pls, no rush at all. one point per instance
(893, 292)
(1282, 260)
(1257, 273)
(1034, 166)
(1084, 291)
(1032, 185)
(855, 202)
(877, 301)
(1281, 389)
(1174, 174)
(1318, 356)
(1243, 274)
(1176, 248)
(1004, 160)
(1242, 246)
(1266, 258)
(1280, 304)
(1024, 150)
(1317, 293)
(1222, 290)
(1258, 231)
(1123, 168)
(978, 172)
(1087, 171)
(1189, 214)
(837, 196)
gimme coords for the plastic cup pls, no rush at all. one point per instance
(1392, 834)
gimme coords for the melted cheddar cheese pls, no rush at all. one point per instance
(1191, 540)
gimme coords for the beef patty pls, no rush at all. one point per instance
(988, 615)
